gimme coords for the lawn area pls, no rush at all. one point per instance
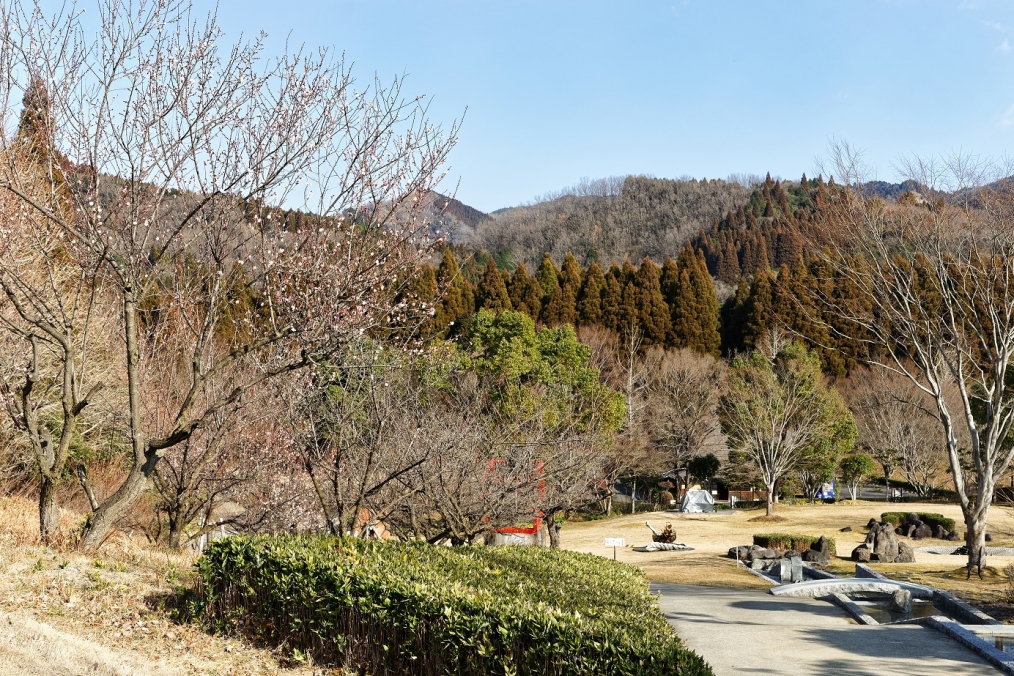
(711, 536)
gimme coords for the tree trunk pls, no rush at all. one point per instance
(633, 496)
(771, 502)
(975, 540)
(105, 517)
(609, 504)
(553, 528)
(175, 531)
(49, 514)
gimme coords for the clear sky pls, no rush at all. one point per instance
(559, 90)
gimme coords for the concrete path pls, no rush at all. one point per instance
(743, 631)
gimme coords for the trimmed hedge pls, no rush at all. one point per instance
(895, 518)
(412, 608)
(786, 541)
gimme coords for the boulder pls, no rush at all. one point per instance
(939, 532)
(901, 601)
(922, 532)
(846, 529)
(989, 538)
(819, 552)
(871, 523)
(905, 553)
(952, 536)
(912, 518)
(762, 554)
(883, 543)
(909, 529)
(861, 554)
(899, 531)
(791, 554)
(741, 552)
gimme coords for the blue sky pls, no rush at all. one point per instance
(560, 90)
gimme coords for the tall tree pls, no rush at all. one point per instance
(458, 300)
(589, 300)
(651, 306)
(778, 409)
(492, 292)
(548, 277)
(524, 292)
(175, 200)
(940, 284)
(571, 272)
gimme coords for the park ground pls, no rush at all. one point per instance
(64, 612)
(711, 536)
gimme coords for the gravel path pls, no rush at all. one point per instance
(743, 631)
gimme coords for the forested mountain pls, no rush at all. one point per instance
(639, 217)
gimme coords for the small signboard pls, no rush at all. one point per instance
(614, 542)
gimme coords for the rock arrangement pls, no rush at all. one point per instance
(913, 527)
(882, 546)
(818, 553)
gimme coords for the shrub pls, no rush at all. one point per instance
(412, 608)
(786, 541)
(931, 520)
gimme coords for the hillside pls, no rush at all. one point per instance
(643, 217)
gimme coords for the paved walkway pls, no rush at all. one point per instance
(743, 631)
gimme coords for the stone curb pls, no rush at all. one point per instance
(853, 609)
(999, 659)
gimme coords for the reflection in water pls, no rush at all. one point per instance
(878, 606)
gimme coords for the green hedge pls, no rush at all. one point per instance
(412, 608)
(895, 518)
(786, 541)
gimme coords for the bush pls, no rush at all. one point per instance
(412, 608)
(786, 541)
(931, 520)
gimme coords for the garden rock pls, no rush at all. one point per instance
(952, 536)
(742, 552)
(923, 531)
(846, 529)
(871, 523)
(762, 554)
(913, 517)
(939, 532)
(905, 553)
(819, 552)
(901, 601)
(883, 543)
(989, 538)
(862, 554)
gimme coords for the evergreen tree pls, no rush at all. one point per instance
(524, 292)
(589, 300)
(571, 272)
(652, 309)
(561, 308)
(670, 280)
(492, 292)
(457, 303)
(628, 274)
(627, 318)
(734, 318)
(548, 277)
(759, 309)
(707, 310)
(612, 300)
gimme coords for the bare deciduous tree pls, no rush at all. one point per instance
(165, 156)
(939, 278)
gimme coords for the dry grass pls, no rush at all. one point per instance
(768, 519)
(711, 536)
(66, 612)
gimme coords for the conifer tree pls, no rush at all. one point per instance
(561, 308)
(548, 277)
(524, 292)
(669, 280)
(589, 300)
(571, 272)
(652, 309)
(627, 318)
(707, 310)
(734, 318)
(758, 311)
(612, 300)
(492, 292)
(458, 301)
(684, 328)
(423, 295)
(628, 274)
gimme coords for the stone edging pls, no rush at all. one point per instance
(850, 607)
(999, 659)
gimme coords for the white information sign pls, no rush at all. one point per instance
(614, 542)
